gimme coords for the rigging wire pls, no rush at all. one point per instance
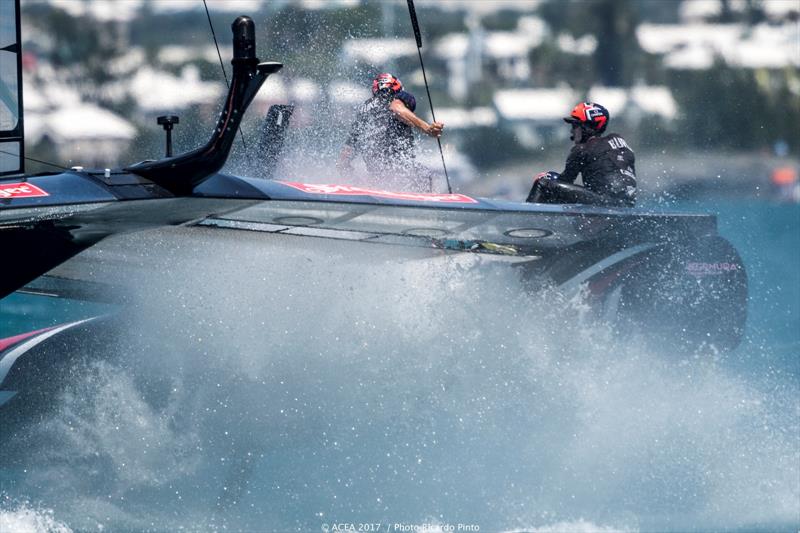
(418, 37)
(35, 160)
(224, 74)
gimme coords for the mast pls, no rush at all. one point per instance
(12, 145)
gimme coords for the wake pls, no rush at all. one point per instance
(309, 383)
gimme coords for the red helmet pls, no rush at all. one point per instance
(386, 81)
(590, 116)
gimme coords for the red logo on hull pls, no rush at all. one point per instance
(20, 190)
(347, 190)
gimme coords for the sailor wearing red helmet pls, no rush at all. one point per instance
(605, 162)
(383, 134)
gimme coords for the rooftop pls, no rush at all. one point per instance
(695, 46)
(81, 122)
(534, 104)
(378, 51)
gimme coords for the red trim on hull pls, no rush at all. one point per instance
(8, 342)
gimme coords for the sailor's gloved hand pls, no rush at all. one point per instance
(434, 129)
(537, 194)
(549, 175)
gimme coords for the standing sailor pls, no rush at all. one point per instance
(383, 134)
(606, 164)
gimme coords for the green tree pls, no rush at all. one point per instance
(81, 43)
(725, 107)
(613, 23)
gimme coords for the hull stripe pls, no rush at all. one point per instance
(11, 357)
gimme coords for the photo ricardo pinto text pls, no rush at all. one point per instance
(398, 527)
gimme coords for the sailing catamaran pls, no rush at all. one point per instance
(633, 267)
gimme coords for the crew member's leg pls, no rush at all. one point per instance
(559, 192)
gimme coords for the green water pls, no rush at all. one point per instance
(25, 312)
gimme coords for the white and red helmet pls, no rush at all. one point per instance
(386, 81)
(590, 116)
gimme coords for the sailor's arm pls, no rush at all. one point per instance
(574, 165)
(406, 115)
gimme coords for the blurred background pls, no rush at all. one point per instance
(707, 92)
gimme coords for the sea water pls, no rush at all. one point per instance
(304, 388)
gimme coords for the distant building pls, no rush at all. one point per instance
(634, 103)
(156, 90)
(377, 52)
(459, 118)
(83, 134)
(328, 4)
(694, 11)
(71, 131)
(501, 55)
(535, 115)
(473, 6)
(181, 54)
(696, 46)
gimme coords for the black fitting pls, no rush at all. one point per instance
(244, 38)
(182, 173)
(167, 122)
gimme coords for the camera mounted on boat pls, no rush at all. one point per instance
(167, 122)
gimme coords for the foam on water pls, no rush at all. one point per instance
(24, 519)
(575, 526)
(311, 382)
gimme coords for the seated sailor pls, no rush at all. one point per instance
(606, 164)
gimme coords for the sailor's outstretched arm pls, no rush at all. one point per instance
(406, 115)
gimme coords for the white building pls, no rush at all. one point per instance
(535, 115)
(378, 52)
(633, 104)
(696, 46)
(83, 134)
(156, 90)
(504, 54)
(692, 11)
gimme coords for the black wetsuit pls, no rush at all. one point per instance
(383, 140)
(607, 167)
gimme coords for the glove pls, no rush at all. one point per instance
(549, 175)
(536, 194)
